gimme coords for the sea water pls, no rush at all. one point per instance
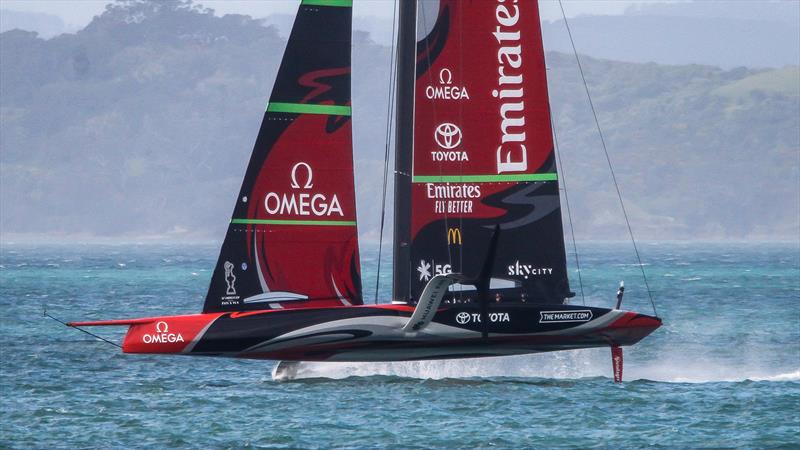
(723, 371)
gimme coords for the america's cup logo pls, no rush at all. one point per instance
(448, 136)
(230, 279)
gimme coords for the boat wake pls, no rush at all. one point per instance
(576, 364)
(722, 373)
(788, 376)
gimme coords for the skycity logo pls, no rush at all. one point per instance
(162, 335)
(302, 203)
(526, 270)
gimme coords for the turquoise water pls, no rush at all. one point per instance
(723, 371)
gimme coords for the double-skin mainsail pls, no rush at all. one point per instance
(475, 150)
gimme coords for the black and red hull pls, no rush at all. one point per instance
(375, 333)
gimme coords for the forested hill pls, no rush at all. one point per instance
(142, 124)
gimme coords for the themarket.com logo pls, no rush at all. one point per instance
(581, 315)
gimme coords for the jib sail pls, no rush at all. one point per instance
(292, 241)
(482, 153)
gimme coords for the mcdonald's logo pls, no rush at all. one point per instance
(454, 236)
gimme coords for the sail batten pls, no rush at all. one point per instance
(333, 3)
(341, 223)
(485, 178)
(306, 108)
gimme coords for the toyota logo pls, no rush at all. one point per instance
(462, 317)
(448, 136)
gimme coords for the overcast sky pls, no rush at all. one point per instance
(77, 13)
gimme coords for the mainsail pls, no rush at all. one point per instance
(292, 240)
(482, 153)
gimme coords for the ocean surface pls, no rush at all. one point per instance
(723, 371)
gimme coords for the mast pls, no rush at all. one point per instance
(404, 141)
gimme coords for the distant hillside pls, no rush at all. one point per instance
(142, 123)
(724, 42)
(47, 25)
(781, 82)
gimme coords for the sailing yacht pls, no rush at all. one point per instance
(479, 258)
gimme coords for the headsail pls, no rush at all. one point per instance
(482, 152)
(292, 240)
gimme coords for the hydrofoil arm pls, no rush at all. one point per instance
(430, 300)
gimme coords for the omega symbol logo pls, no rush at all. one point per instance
(448, 136)
(462, 317)
(309, 176)
(162, 335)
(445, 76)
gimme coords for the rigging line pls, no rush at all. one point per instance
(562, 178)
(461, 121)
(46, 314)
(608, 158)
(389, 123)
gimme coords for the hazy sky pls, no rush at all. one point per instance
(78, 13)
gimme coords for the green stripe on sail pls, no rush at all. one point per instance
(485, 178)
(329, 223)
(341, 3)
(304, 108)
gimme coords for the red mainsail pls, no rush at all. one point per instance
(483, 149)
